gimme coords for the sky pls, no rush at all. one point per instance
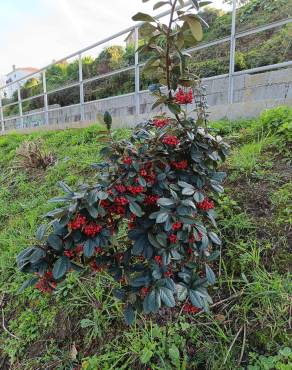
(35, 32)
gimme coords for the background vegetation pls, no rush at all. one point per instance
(82, 327)
(269, 47)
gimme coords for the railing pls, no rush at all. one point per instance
(234, 36)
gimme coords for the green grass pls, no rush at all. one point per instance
(82, 324)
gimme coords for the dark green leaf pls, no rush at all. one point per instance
(41, 232)
(28, 283)
(55, 242)
(162, 217)
(166, 202)
(160, 4)
(129, 314)
(65, 187)
(214, 237)
(143, 17)
(167, 297)
(210, 274)
(61, 266)
(136, 209)
(89, 248)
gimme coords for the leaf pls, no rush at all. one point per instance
(143, 17)
(199, 197)
(37, 255)
(61, 267)
(129, 314)
(167, 297)
(146, 355)
(182, 292)
(142, 181)
(65, 187)
(210, 274)
(218, 188)
(196, 4)
(174, 108)
(188, 191)
(102, 195)
(28, 283)
(195, 27)
(160, 4)
(166, 202)
(41, 232)
(152, 302)
(92, 211)
(183, 184)
(161, 217)
(136, 209)
(89, 248)
(55, 242)
(195, 299)
(153, 240)
(214, 237)
(174, 354)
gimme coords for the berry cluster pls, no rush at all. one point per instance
(170, 140)
(78, 222)
(128, 161)
(172, 238)
(151, 200)
(182, 165)
(46, 284)
(134, 190)
(144, 291)
(160, 122)
(184, 97)
(176, 226)
(205, 205)
(158, 259)
(92, 229)
(120, 189)
(121, 201)
(189, 308)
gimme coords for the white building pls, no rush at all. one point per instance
(15, 75)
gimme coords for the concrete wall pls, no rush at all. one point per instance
(253, 93)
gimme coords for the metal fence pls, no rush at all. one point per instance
(232, 39)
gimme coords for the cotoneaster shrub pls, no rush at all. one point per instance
(162, 181)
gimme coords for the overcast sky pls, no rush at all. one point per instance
(34, 32)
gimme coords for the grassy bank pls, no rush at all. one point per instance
(82, 326)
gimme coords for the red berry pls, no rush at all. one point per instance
(128, 160)
(176, 226)
(160, 122)
(205, 205)
(158, 259)
(172, 238)
(170, 140)
(184, 97)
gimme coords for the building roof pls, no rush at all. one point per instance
(26, 69)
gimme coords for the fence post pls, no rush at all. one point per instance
(20, 105)
(137, 72)
(46, 105)
(2, 116)
(81, 85)
(232, 54)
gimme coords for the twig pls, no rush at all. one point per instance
(243, 345)
(232, 344)
(3, 320)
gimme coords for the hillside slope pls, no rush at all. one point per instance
(80, 326)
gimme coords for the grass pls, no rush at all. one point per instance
(81, 326)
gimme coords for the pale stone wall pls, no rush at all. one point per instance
(252, 94)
